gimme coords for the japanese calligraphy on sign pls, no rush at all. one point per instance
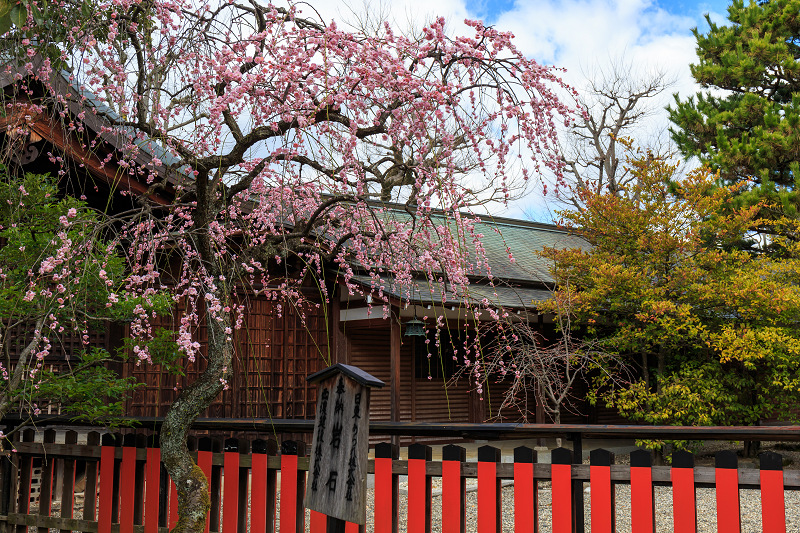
(337, 481)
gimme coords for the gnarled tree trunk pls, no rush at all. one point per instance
(192, 485)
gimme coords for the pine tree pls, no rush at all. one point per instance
(746, 124)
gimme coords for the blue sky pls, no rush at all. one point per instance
(491, 10)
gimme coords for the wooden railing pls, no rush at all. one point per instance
(116, 484)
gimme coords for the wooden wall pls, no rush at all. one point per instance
(275, 351)
(421, 399)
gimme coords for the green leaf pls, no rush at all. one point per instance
(5, 24)
(19, 15)
(5, 8)
(38, 15)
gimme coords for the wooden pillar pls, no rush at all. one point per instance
(337, 354)
(394, 358)
(477, 406)
(413, 378)
(340, 345)
(540, 399)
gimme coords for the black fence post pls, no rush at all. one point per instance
(577, 485)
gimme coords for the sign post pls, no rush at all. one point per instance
(337, 482)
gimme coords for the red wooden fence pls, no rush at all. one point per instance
(121, 486)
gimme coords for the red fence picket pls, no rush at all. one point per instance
(419, 489)
(561, 475)
(643, 511)
(204, 462)
(152, 486)
(259, 495)
(319, 522)
(773, 504)
(230, 502)
(453, 490)
(107, 466)
(602, 504)
(292, 488)
(727, 483)
(526, 502)
(683, 493)
(173, 504)
(127, 489)
(489, 491)
(386, 489)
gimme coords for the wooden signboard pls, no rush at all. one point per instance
(337, 475)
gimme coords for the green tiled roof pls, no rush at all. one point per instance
(514, 284)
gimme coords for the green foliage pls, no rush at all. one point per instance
(86, 389)
(711, 329)
(33, 226)
(163, 350)
(59, 279)
(52, 26)
(750, 132)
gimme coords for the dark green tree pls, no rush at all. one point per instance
(746, 125)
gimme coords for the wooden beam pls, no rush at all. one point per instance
(394, 358)
(74, 149)
(334, 351)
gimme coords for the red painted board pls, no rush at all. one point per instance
(384, 515)
(683, 500)
(127, 489)
(204, 460)
(487, 497)
(319, 522)
(727, 481)
(288, 493)
(258, 493)
(152, 481)
(173, 504)
(350, 527)
(230, 488)
(106, 488)
(642, 518)
(562, 498)
(524, 503)
(451, 497)
(417, 494)
(601, 505)
(773, 504)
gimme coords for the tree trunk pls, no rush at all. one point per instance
(645, 370)
(662, 356)
(14, 385)
(192, 485)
